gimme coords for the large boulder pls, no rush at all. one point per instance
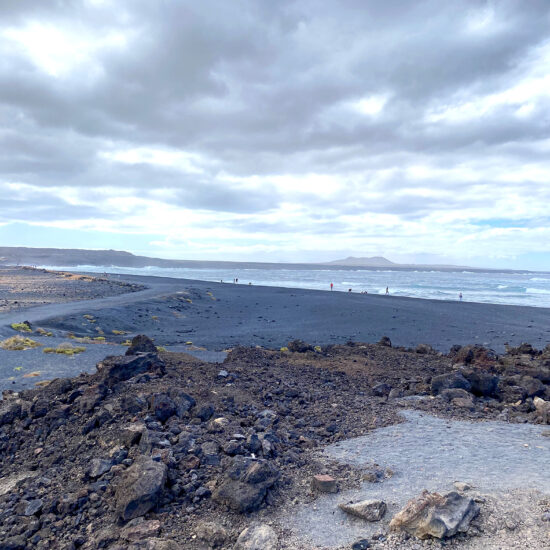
(162, 405)
(257, 537)
(448, 381)
(245, 484)
(115, 369)
(435, 515)
(483, 383)
(140, 488)
(141, 344)
(9, 411)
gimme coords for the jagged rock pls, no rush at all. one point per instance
(453, 393)
(141, 344)
(205, 412)
(158, 544)
(33, 507)
(361, 544)
(385, 341)
(210, 534)
(257, 537)
(98, 467)
(9, 411)
(115, 369)
(131, 434)
(449, 380)
(533, 386)
(139, 529)
(140, 488)
(432, 514)
(299, 346)
(245, 484)
(369, 510)
(91, 397)
(184, 402)
(483, 384)
(162, 406)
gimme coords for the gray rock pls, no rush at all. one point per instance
(245, 484)
(163, 406)
(369, 510)
(9, 412)
(140, 488)
(448, 381)
(210, 534)
(34, 507)
(257, 537)
(435, 515)
(115, 369)
(98, 467)
(483, 384)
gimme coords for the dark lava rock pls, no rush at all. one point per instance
(381, 390)
(205, 412)
(115, 369)
(245, 484)
(162, 406)
(454, 393)
(141, 344)
(483, 384)
(184, 402)
(385, 341)
(533, 386)
(449, 380)
(299, 346)
(424, 349)
(361, 544)
(98, 467)
(9, 411)
(140, 488)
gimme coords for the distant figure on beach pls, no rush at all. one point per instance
(387, 291)
(460, 296)
(349, 289)
(331, 285)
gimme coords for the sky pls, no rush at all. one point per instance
(278, 131)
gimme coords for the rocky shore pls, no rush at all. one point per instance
(162, 451)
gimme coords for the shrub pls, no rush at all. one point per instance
(21, 327)
(18, 343)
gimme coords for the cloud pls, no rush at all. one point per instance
(387, 126)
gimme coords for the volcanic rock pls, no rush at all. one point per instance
(369, 510)
(245, 484)
(258, 537)
(140, 488)
(449, 380)
(432, 514)
(115, 369)
(141, 344)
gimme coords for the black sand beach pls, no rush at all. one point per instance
(203, 317)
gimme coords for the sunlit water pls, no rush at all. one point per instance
(526, 289)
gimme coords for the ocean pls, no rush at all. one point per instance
(524, 289)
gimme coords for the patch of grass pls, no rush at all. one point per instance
(65, 349)
(126, 343)
(89, 317)
(43, 332)
(189, 300)
(318, 349)
(189, 343)
(43, 383)
(18, 343)
(99, 339)
(21, 327)
(161, 348)
(284, 348)
(119, 332)
(155, 317)
(32, 374)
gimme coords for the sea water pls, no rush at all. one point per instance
(525, 289)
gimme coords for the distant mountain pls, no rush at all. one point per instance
(375, 261)
(66, 257)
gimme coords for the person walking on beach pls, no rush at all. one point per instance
(460, 296)
(387, 291)
(331, 285)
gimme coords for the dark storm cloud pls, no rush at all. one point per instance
(266, 89)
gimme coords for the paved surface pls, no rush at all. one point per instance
(430, 453)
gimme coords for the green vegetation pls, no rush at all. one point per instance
(119, 332)
(318, 349)
(89, 317)
(284, 348)
(18, 343)
(161, 348)
(126, 343)
(65, 349)
(189, 343)
(43, 332)
(99, 339)
(21, 327)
